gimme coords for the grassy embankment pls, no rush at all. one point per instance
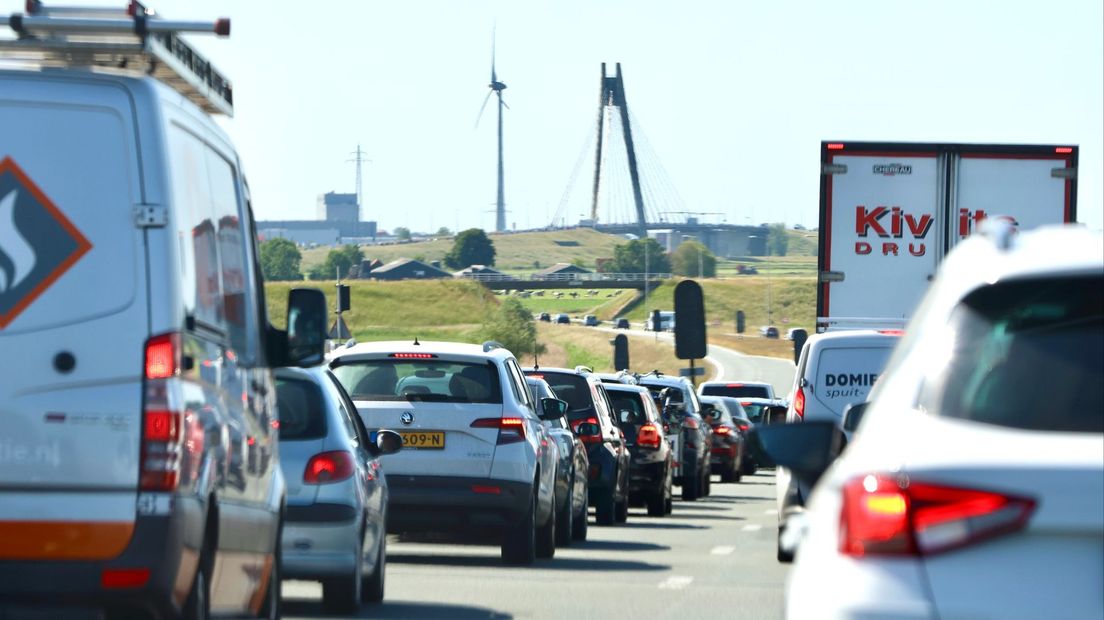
(454, 311)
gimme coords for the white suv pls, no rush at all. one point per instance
(475, 453)
(974, 486)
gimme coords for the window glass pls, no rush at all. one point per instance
(737, 390)
(231, 247)
(572, 389)
(196, 228)
(517, 380)
(302, 412)
(1026, 354)
(428, 380)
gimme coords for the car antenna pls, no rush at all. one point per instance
(416, 343)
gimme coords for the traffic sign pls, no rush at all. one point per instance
(692, 372)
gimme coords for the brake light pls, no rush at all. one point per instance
(743, 427)
(118, 578)
(588, 430)
(799, 403)
(328, 467)
(835, 146)
(412, 356)
(735, 385)
(1063, 149)
(886, 515)
(163, 356)
(648, 436)
(486, 489)
(721, 430)
(534, 375)
(892, 332)
(169, 435)
(510, 430)
(690, 422)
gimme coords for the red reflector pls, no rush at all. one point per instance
(1063, 149)
(161, 425)
(328, 467)
(835, 146)
(744, 427)
(162, 359)
(114, 578)
(222, 27)
(412, 356)
(486, 489)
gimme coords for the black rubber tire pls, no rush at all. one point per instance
(690, 488)
(565, 523)
(669, 506)
(198, 604)
(707, 483)
(371, 591)
(546, 535)
(621, 511)
(783, 557)
(519, 544)
(657, 504)
(582, 521)
(341, 595)
(605, 510)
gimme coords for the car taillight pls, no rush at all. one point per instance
(887, 515)
(689, 422)
(721, 430)
(648, 436)
(510, 430)
(799, 403)
(328, 467)
(743, 427)
(588, 430)
(172, 438)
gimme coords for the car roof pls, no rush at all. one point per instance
(737, 382)
(462, 349)
(625, 387)
(854, 337)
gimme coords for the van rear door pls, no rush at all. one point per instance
(73, 319)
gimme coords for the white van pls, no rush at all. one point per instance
(138, 460)
(666, 322)
(836, 369)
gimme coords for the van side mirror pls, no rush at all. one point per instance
(806, 449)
(552, 409)
(306, 327)
(853, 415)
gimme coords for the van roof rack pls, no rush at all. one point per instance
(132, 39)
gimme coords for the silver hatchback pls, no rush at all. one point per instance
(335, 528)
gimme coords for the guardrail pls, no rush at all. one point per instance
(567, 277)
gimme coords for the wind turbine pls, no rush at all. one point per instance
(496, 88)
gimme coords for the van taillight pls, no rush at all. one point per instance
(328, 467)
(588, 430)
(163, 356)
(510, 430)
(799, 402)
(648, 436)
(885, 515)
(172, 437)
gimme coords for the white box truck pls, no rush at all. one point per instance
(890, 212)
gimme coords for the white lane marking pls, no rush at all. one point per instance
(752, 527)
(772, 511)
(675, 582)
(722, 550)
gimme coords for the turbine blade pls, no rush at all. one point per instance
(482, 107)
(494, 76)
(500, 100)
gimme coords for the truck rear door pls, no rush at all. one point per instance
(879, 224)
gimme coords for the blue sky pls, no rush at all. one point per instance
(733, 97)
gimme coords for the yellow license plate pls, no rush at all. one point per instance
(423, 439)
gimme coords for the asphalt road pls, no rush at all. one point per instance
(713, 558)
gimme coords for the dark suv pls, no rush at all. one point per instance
(681, 410)
(591, 416)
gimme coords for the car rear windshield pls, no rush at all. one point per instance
(570, 388)
(302, 411)
(1026, 354)
(429, 380)
(737, 390)
(756, 412)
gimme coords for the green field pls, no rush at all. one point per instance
(604, 303)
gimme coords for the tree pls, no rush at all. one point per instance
(685, 260)
(280, 260)
(403, 233)
(339, 260)
(471, 247)
(513, 327)
(444, 232)
(629, 257)
(777, 240)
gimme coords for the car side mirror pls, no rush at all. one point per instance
(306, 328)
(552, 409)
(388, 442)
(853, 415)
(806, 449)
(776, 414)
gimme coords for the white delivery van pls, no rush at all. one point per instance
(138, 470)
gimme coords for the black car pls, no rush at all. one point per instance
(621, 324)
(693, 438)
(571, 474)
(651, 468)
(592, 420)
(544, 316)
(730, 423)
(563, 319)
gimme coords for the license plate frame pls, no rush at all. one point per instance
(423, 440)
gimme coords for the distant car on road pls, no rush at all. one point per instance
(335, 528)
(591, 321)
(737, 389)
(621, 324)
(544, 316)
(768, 331)
(563, 319)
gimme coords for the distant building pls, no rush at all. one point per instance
(559, 271)
(477, 269)
(321, 235)
(334, 207)
(408, 269)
